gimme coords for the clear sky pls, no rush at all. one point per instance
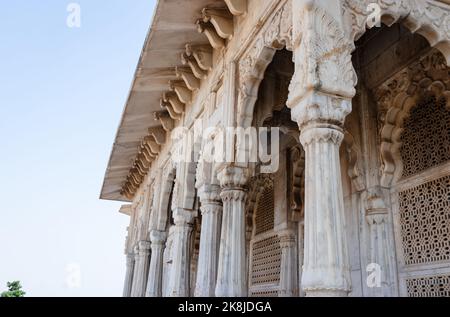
(62, 92)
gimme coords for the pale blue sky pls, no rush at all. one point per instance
(62, 92)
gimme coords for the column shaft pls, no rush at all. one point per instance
(288, 272)
(232, 277)
(179, 273)
(326, 269)
(155, 274)
(209, 246)
(129, 276)
(141, 269)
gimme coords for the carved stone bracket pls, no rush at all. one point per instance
(202, 55)
(188, 77)
(165, 120)
(208, 29)
(222, 21)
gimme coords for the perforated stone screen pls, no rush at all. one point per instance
(264, 219)
(426, 137)
(266, 261)
(425, 222)
(264, 293)
(433, 286)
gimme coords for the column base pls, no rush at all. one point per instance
(326, 293)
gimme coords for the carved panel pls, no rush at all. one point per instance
(433, 286)
(425, 222)
(426, 137)
(266, 261)
(264, 218)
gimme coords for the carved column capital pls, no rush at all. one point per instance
(143, 248)
(320, 134)
(183, 217)
(158, 237)
(287, 239)
(317, 108)
(231, 177)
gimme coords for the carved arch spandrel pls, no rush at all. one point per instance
(275, 36)
(430, 19)
(427, 78)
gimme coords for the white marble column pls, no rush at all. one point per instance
(179, 273)
(288, 270)
(154, 284)
(128, 284)
(142, 257)
(231, 277)
(326, 270)
(211, 209)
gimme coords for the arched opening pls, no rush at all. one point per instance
(402, 111)
(273, 200)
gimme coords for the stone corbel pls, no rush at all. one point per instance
(165, 120)
(151, 145)
(127, 192)
(208, 29)
(136, 177)
(159, 134)
(141, 170)
(202, 55)
(192, 82)
(183, 93)
(143, 161)
(221, 20)
(192, 63)
(237, 7)
(142, 166)
(167, 106)
(148, 156)
(177, 105)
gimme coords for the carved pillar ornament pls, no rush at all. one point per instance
(320, 99)
(129, 275)
(232, 278)
(142, 256)
(154, 284)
